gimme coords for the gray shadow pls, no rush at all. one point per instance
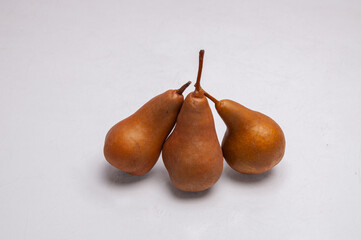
(187, 195)
(115, 176)
(248, 178)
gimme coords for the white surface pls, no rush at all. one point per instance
(69, 70)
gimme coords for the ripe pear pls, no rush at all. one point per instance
(192, 154)
(253, 142)
(134, 144)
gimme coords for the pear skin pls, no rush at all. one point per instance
(192, 154)
(253, 142)
(134, 144)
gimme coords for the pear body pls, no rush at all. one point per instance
(192, 154)
(134, 144)
(253, 142)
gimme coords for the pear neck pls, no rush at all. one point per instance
(198, 94)
(235, 116)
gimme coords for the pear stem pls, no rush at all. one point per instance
(211, 97)
(200, 67)
(182, 88)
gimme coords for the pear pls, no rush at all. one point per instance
(192, 154)
(253, 142)
(134, 144)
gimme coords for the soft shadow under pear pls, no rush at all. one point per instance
(115, 176)
(248, 178)
(187, 195)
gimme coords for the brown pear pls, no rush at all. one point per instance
(253, 142)
(134, 144)
(192, 153)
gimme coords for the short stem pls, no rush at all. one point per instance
(182, 88)
(211, 97)
(200, 67)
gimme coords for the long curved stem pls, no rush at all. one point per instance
(211, 97)
(182, 88)
(200, 67)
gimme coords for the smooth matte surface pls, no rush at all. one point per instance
(69, 70)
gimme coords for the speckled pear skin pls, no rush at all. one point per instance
(134, 144)
(192, 153)
(253, 142)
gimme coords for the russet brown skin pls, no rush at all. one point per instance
(134, 144)
(253, 142)
(192, 154)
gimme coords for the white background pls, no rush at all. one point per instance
(69, 70)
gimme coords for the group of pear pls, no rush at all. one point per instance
(253, 142)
